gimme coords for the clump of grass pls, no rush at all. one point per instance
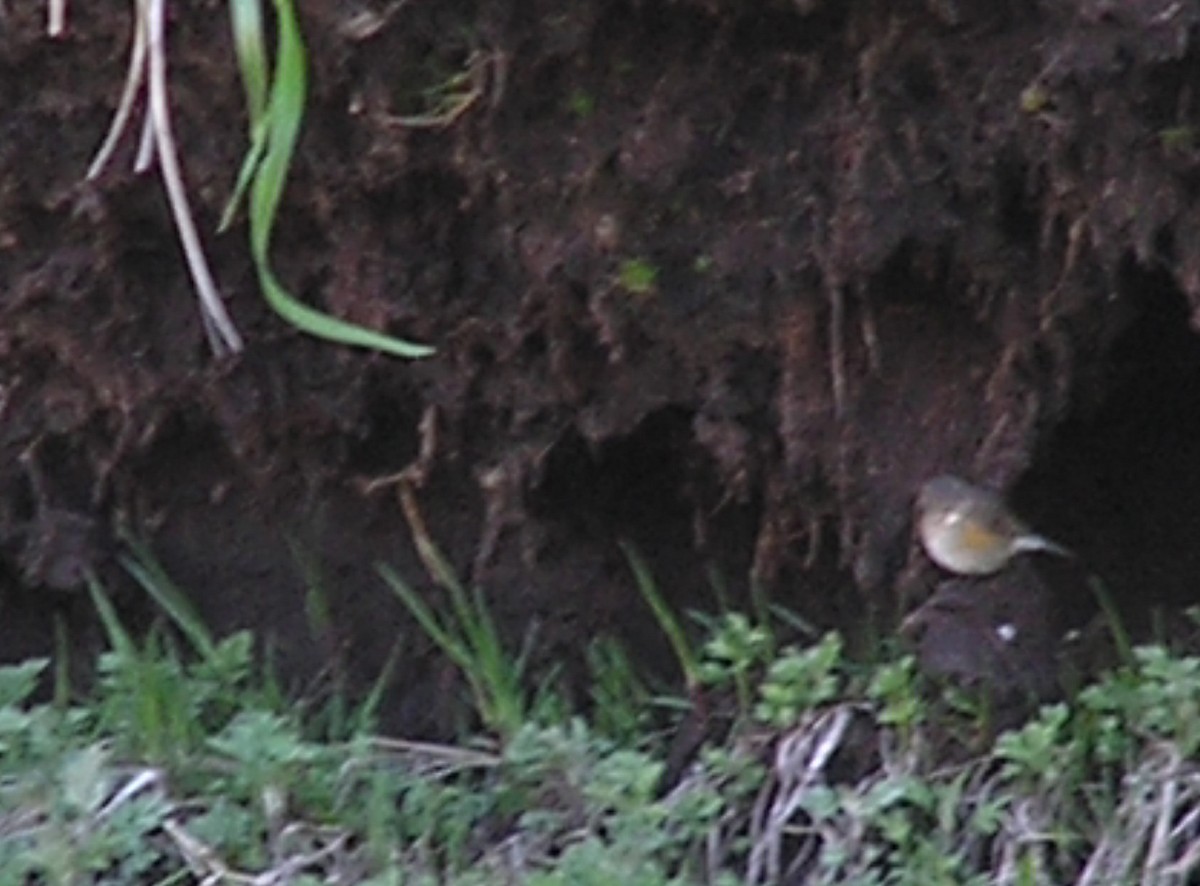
(275, 108)
(468, 636)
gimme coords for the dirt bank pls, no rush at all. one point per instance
(724, 279)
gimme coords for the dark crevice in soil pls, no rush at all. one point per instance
(1116, 480)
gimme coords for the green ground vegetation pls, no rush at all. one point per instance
(187, 763)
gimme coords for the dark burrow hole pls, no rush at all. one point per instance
(628, 487)
(390, 441)
(1119, 481)
(642, 489)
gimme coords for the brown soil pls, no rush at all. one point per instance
(891, 239)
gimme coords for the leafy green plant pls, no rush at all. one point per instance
(269, 762)
(1156, 699)
(800, 680)
(81, 825)
(895, 686)
(734, 651)
(153, 699)
(1036, 751)
(582, 794)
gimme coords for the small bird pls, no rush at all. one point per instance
(970, 531)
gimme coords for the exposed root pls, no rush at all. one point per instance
(56, 18)
(148, 60)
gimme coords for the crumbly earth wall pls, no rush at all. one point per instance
(724, 279)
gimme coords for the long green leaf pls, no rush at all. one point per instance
(664, 616)
(245, 18)
(118, 638)
(285, 110)
(145, 569)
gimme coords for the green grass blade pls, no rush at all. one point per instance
(1112, 617)
(245, 18)
(246, 21)
(451, 645)
(664, 616)
(62, 663)
(118, 637)
(258, 144)
(285, 110)
(148, 573)
(471, 640)
(366, 715)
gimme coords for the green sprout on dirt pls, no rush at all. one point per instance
(581, 104)
(1178, 139)
(638, 276)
